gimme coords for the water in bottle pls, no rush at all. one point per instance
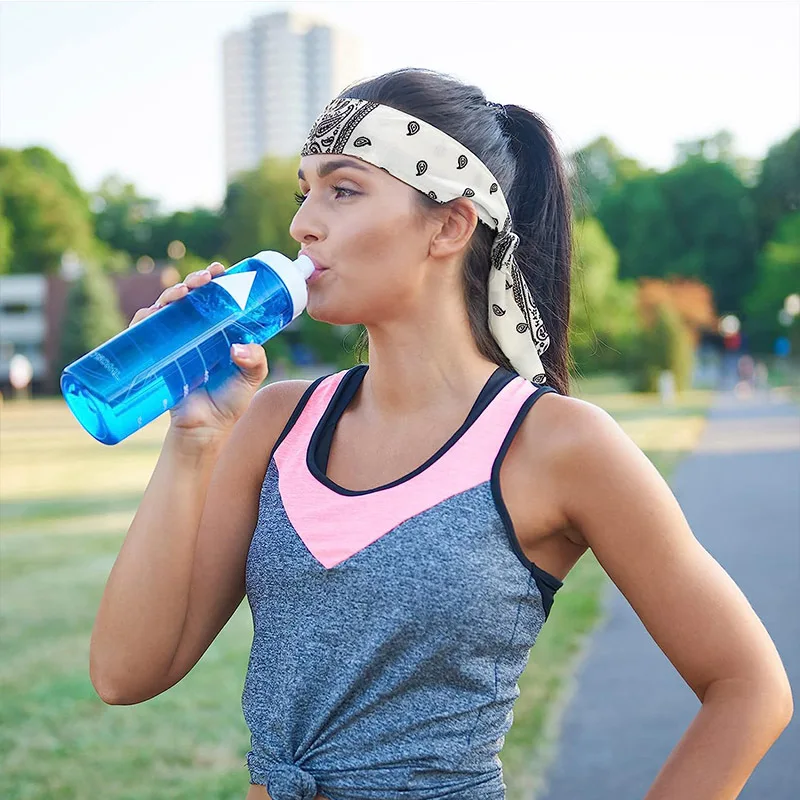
(140, 373)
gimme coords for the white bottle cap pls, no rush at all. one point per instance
(305, 265)
(294, 275)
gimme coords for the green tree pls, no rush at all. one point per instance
(639, 223)
(714, 220)
(258, 210)
(603, 315)
(777, 192)
(47, 213)
(45, 162)
(6, 237)
(92, 316)
(778, 277)
(123, 218)
(696, 220)
(200, 230)
(598, 168)
(719, 147)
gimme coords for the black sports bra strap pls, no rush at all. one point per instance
(298, 410)
(349, 386)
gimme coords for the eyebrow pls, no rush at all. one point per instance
(327, 167)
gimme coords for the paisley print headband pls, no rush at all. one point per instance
(428, 159)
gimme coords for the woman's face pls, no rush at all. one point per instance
(365, 229)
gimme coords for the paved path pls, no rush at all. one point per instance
(740, 491)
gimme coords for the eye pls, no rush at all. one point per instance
(341, 191)
(347, 192)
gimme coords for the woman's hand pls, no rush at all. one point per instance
(203, 412)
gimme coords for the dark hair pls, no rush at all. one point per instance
(518, 148)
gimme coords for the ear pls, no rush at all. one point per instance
(458, 221)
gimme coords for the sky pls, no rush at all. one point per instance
(135, 88)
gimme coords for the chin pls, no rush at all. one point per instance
(331, 313)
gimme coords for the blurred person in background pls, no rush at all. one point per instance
(746, 373)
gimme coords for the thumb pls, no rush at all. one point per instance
(252, 360)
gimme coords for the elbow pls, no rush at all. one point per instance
(109, 692)
(785, 705)
(106, 687)
(109, 698)
(767, 700)
(115, 696)
(114, 692)
(777, 695)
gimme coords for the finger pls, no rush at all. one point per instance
(171, 295)
(252, 359)
(194, 280)
(141, 314)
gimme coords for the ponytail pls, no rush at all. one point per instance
(541, 209)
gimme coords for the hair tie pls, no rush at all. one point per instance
(498, 108)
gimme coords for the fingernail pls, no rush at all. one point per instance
(239, 350)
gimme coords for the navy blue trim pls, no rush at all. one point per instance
(298, 410)
(319, 446)
(548, 584)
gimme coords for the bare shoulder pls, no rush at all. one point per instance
(271, 407)
(280, 396)
(564, 446)
(257, 430)
(563, 428)
(253, 438)
(585, 437)
(596, 474)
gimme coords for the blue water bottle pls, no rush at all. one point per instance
(140, 373)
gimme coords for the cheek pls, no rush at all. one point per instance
(388, 254)
(376, 269)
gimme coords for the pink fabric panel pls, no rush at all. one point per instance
(335, 527)
(312, 413)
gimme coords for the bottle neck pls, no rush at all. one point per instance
(293, 274)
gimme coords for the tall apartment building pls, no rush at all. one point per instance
(278, 75)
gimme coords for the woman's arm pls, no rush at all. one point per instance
(180, 573)
(619, 503)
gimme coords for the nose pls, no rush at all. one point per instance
(289, 782)
(304, 228)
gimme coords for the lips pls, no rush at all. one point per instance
(318, 268)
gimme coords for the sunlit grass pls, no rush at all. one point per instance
(65, 504)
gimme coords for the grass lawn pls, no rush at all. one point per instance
(65, 504)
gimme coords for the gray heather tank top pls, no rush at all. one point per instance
(390, 625)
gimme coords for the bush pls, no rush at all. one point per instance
(667, 345)
(603, 314)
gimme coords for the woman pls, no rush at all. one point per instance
(400, 529)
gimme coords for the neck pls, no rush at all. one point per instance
(423, 363)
